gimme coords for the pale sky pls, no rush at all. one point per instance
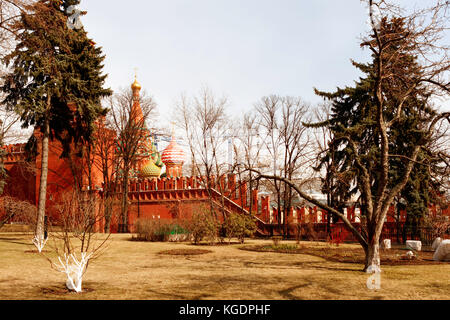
(245, 49)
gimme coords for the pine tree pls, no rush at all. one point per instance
(383, 123)
(380, 135)
(354, 115)
(54, 67)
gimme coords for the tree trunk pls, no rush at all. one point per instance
(39, 239)
(7, 218)
(124, 212)
(372, 261)
(107, 218)
(398, 223)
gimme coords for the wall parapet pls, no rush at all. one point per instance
(14, 153)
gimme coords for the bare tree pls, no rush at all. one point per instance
(74, 239)
(129, 112)
(288, 143)
(12, 209)
(326, 165)
(10, 132)
(439, 148)
(268, 109)
(105, 143)
(10, 11)
(248, 150)
(204, 121)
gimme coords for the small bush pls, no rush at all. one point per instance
(203, 225)
(153, 230)
(239, 226)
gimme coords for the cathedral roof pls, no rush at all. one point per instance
(173, 154)
(150, 170)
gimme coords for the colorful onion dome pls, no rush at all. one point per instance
(156, 156)
(150, 170)
(173, 154)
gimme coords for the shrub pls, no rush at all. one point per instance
(152, 230)
(17, 211)
(239, 226)
(203, 225)
(439, 224)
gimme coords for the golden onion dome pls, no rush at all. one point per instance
(150, 170)
(136, 85)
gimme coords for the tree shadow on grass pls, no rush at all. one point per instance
(10, 239)
(173, 296)
(25, 242)
(287, 293)
(312, 265)
(8, 280)
(36, 251)
(320, 266)
(61, 290)
(279, 265)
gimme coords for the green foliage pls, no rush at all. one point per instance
(354, 116)
(52, 67)
(239, 226)
(155, 230)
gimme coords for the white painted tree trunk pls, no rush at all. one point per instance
(74, 269)
(39, 241)
(373, 264)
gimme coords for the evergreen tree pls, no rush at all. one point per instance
(55, 84)
(354, 115)
(382, 124)
(379, 131)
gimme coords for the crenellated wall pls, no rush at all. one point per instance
(169, 198)
(163, 198)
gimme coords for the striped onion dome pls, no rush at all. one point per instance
(150, 170)
(173, 154)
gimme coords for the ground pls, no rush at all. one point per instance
(144, 270)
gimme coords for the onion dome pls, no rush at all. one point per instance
(150, 170)
(173, 154)
(136, 85)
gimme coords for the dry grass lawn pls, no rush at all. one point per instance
(139, 271)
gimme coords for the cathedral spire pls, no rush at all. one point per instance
(136, 110)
